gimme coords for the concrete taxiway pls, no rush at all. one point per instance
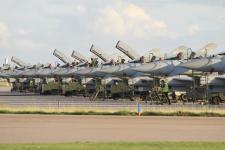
(56, 128)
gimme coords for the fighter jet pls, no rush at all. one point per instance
(16, 70)
(173, 65)
(21, 73)
(5, 69)
(167, 67)
(206, 64)
(94, 69)
(178, 77)
(138, 79)
(95, 72)
(64, 70)
(90, 74)
(24, 70)
(213, 63)
(124, 69)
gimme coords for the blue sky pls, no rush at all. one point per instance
(32, 29)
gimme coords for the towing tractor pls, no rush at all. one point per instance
(121, 89)
(50, 86)
(71, 86)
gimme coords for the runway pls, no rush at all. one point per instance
(53, 128)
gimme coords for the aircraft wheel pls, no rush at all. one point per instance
(183, 97)
(216, 100)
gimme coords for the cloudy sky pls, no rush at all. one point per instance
(32, 29)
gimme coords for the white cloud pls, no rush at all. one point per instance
(110, 22)
(64, 9)
(193, 29)
(18, 42)
(221, 19)
(23, 32)
(4, 34)
(129, 19)
(81, 8)
(26, 44)
(17, 39)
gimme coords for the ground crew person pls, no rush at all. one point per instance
(92, 62)
(165, 90)
(31, 84)
(142, 59)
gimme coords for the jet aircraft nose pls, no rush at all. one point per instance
(195, 63)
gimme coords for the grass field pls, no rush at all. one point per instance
(90, 111)
(119, 146)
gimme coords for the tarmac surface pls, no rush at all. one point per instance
(56, 128)
(80, 103)
(57, 101)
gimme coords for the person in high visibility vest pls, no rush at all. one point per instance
(31, 82)
(31, 85)
(165, 90)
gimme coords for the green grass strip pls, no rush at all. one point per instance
(118, 146)
(117, 113)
